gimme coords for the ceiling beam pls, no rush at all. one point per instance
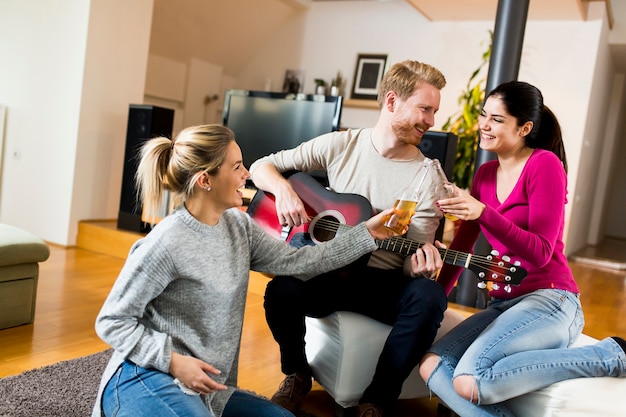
(298, 4)
(486, 9)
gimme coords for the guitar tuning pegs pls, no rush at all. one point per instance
(507, 288)
(517, 263)
(506, 258)
(481, 285)
(494, 252)
(496, 287)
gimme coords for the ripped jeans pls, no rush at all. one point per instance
(517, 346)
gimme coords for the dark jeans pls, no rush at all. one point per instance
(414, 307)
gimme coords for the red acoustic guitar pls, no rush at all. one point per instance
(329, 209)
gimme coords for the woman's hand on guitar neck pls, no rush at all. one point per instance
(377, 230)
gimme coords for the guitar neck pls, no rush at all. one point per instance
(408, 247)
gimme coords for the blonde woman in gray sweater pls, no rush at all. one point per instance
(175, 313)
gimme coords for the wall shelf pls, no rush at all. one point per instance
(361, 104)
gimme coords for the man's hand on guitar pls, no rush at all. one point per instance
(426, 261)
(290, 208)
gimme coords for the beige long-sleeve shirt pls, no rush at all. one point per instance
(354, 166)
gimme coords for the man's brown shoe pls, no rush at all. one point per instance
(291, 391)
(369, 410)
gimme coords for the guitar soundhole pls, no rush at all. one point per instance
(324, 226)
(326, 229)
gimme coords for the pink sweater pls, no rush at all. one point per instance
(527, 226)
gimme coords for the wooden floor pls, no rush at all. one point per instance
(609, 253)
(74, 283)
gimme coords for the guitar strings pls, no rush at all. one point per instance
(397, 241)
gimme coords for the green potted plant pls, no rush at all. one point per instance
(464, 124)
(320, 86)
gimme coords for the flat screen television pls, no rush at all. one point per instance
(265, 122)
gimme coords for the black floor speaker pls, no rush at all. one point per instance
(441, 146)
(144, 122)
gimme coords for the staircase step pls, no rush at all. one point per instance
(103, 236)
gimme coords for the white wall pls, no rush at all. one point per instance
(41, 77)
(69, 71)
(166, 81)
(184, 87)
(595, 140)
(610, 172)
(551, 59)
(577, 91)
(282, 51)
(73, 170)
(203, 82)
(615, 223)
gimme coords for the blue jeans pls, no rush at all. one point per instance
(517, 346)
(136, 391)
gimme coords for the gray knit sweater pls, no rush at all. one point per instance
(183, 288)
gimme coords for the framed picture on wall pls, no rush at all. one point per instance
(367, 76)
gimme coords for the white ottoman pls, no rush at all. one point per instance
(343, 349)
(582, 397)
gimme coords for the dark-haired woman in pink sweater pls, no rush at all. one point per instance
(519, 343)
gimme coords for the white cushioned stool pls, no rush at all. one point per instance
(581, 397)
(343, 349)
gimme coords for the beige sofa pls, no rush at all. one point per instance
(20, 254)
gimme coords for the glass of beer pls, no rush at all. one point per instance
(404, 207)
(403, 210)
(443, 191)
(443, 188)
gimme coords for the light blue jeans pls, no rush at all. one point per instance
(517, 346)
(135, 391)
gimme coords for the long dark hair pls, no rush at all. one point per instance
(525, 102)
